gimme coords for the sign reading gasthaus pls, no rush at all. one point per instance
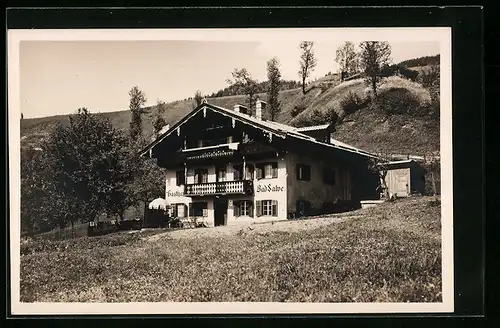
(174, 193)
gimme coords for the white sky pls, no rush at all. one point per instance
(58, 77)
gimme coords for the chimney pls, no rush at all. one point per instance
(259, 106)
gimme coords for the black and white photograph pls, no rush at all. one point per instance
(231, 171)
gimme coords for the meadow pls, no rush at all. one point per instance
(388, 253)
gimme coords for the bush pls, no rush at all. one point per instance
(297, 109)
(401, 101)
(351, 102)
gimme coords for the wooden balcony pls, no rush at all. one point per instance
(241, 187)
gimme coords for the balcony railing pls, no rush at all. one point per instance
(241, 187)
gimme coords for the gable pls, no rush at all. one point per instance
(208, 120)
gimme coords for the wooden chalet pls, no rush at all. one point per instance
(226, 166)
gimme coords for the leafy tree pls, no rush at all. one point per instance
(307, 62)
(149, 182)
(87, 168)
(347, 58)
(375, 55)
(273, 89)
(35, 192)
(137, 101)
(198, 98)
(242, 81)
(430, 79)
(159, 122)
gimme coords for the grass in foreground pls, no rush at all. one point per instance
(391, 254)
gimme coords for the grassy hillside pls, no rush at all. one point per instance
(400, 132)
(390, 253)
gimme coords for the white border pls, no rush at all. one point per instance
(442, 35)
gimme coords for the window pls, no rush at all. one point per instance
(221, 174)
(199, 209)
(303, 207)
(243, 208)
(249, 172)
(201, 176)
(329, 176)
(267, 207)
(238, 172)
(179, 210)
(303, 172)
(180, 178)
(267, 170)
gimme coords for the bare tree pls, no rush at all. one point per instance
(307, 62)
(273, 87)
(242, 81)
(347, 58)
(375, 55)
(137, 101)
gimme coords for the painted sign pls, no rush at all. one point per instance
(175, 193)
(270, 188)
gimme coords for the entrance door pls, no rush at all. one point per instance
(220, 212)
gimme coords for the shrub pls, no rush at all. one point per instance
(351, 102)
(297, 109)
(401, 101)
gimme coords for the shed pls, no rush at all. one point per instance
(405, 178)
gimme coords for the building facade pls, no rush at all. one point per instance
(225, 166)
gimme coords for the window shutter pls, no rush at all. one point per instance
(307, 173)
(185, 210)
(236, 208)
(258, 207)
(190, 211)
(298, 172)
(274, 208)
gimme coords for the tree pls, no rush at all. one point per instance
(137, 101)
(159, 122)
(87, 161)
(273, 87)
(35, 193)
(307, 62)
(379, 166)
(375, 55)
(149, 182)
(347, 58)
(198, 98)
(243, 82)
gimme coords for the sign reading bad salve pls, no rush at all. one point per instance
(270, 188)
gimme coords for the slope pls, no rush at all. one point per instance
(401, 129)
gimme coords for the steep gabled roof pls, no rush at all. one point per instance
(278, 129)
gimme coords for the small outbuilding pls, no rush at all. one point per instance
(405, 178)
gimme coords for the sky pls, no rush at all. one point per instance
(58, 77)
